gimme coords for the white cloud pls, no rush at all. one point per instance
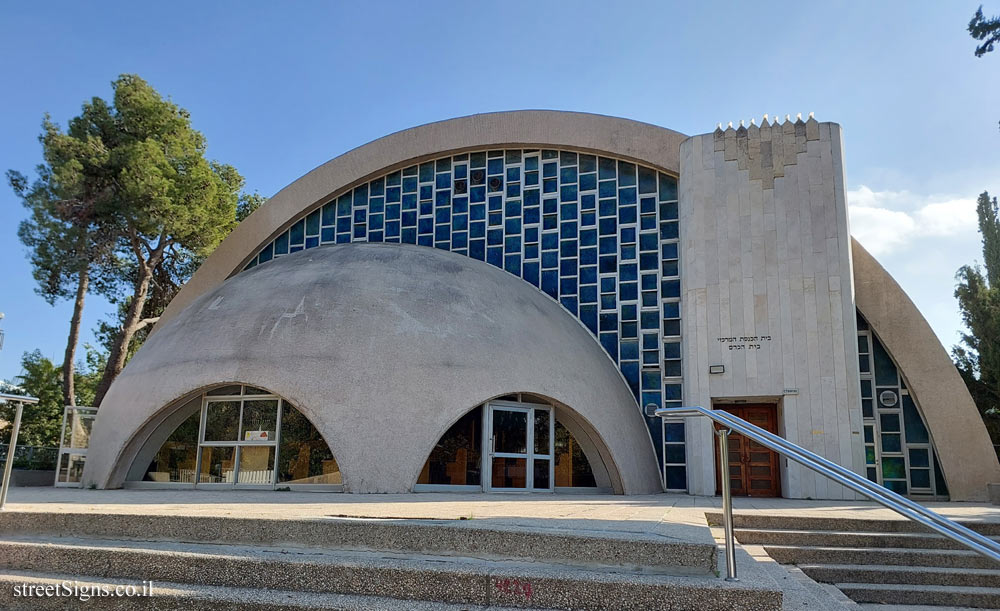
(887, 222)
(921, 240)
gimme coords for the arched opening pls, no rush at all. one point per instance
(236, 436)
(516, 443)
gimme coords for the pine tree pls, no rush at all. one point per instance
(978, 292)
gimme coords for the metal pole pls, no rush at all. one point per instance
(727, 504)
(11, 447)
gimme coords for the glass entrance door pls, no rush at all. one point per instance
(520, 447)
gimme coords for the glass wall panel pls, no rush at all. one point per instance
(79, 423)
(304, 456)
(217, 465)
(541, 432)
(542, 479)
(510, 472)
(260, 420)
(256, 465)
(572, 467)
(456, 459)
(71, 468)
(510, 432)
(244, 428)
(222, 420)
(176, 461)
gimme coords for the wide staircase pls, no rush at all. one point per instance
(886, 562)
(210, 562)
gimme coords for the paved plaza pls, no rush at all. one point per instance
(610, 511)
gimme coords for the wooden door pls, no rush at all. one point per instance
(753, 469)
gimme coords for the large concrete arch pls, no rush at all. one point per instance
(644, 143)
(382, 347)
(964, 448)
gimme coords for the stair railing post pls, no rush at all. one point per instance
(727, 504)
(11, 448)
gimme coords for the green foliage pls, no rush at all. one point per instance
(39, 423)
(88, 374)
(985, 30)
(167, 205)
(65, 232)
(978, 292)
(43, 379)
(127, 204)
(247, 204)
(165, 192)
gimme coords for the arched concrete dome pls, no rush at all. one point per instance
(382, 347)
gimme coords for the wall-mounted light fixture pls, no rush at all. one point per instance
(716, 369)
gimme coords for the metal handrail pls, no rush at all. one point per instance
(12, 446)
(18, 398)
(845, 477)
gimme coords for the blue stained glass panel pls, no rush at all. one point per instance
(550, 283)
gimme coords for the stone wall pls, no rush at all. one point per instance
(768, 292)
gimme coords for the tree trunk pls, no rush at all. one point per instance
(69, 388)
(119, 350)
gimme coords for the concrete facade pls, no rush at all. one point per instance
(382, 347)
(766, 280)
(385, 346)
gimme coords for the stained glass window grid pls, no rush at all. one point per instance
(668, 258)
(899, 450)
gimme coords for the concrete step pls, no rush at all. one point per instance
(177, 597)
(449, 579)
(904, 594)
(694, 553)
(794, 554)
(832, 538)
(881, 573)
(781, 521)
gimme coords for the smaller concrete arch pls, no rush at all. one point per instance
(964, 448)
(382, 346)
(595, 449)
(147, 441)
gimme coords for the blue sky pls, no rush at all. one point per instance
(279, 88)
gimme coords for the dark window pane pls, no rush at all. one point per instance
(222, 421)
(541, 473)
(177, 457)
(572, 467)
(542, 437)
(304, 456)
(456, 458)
